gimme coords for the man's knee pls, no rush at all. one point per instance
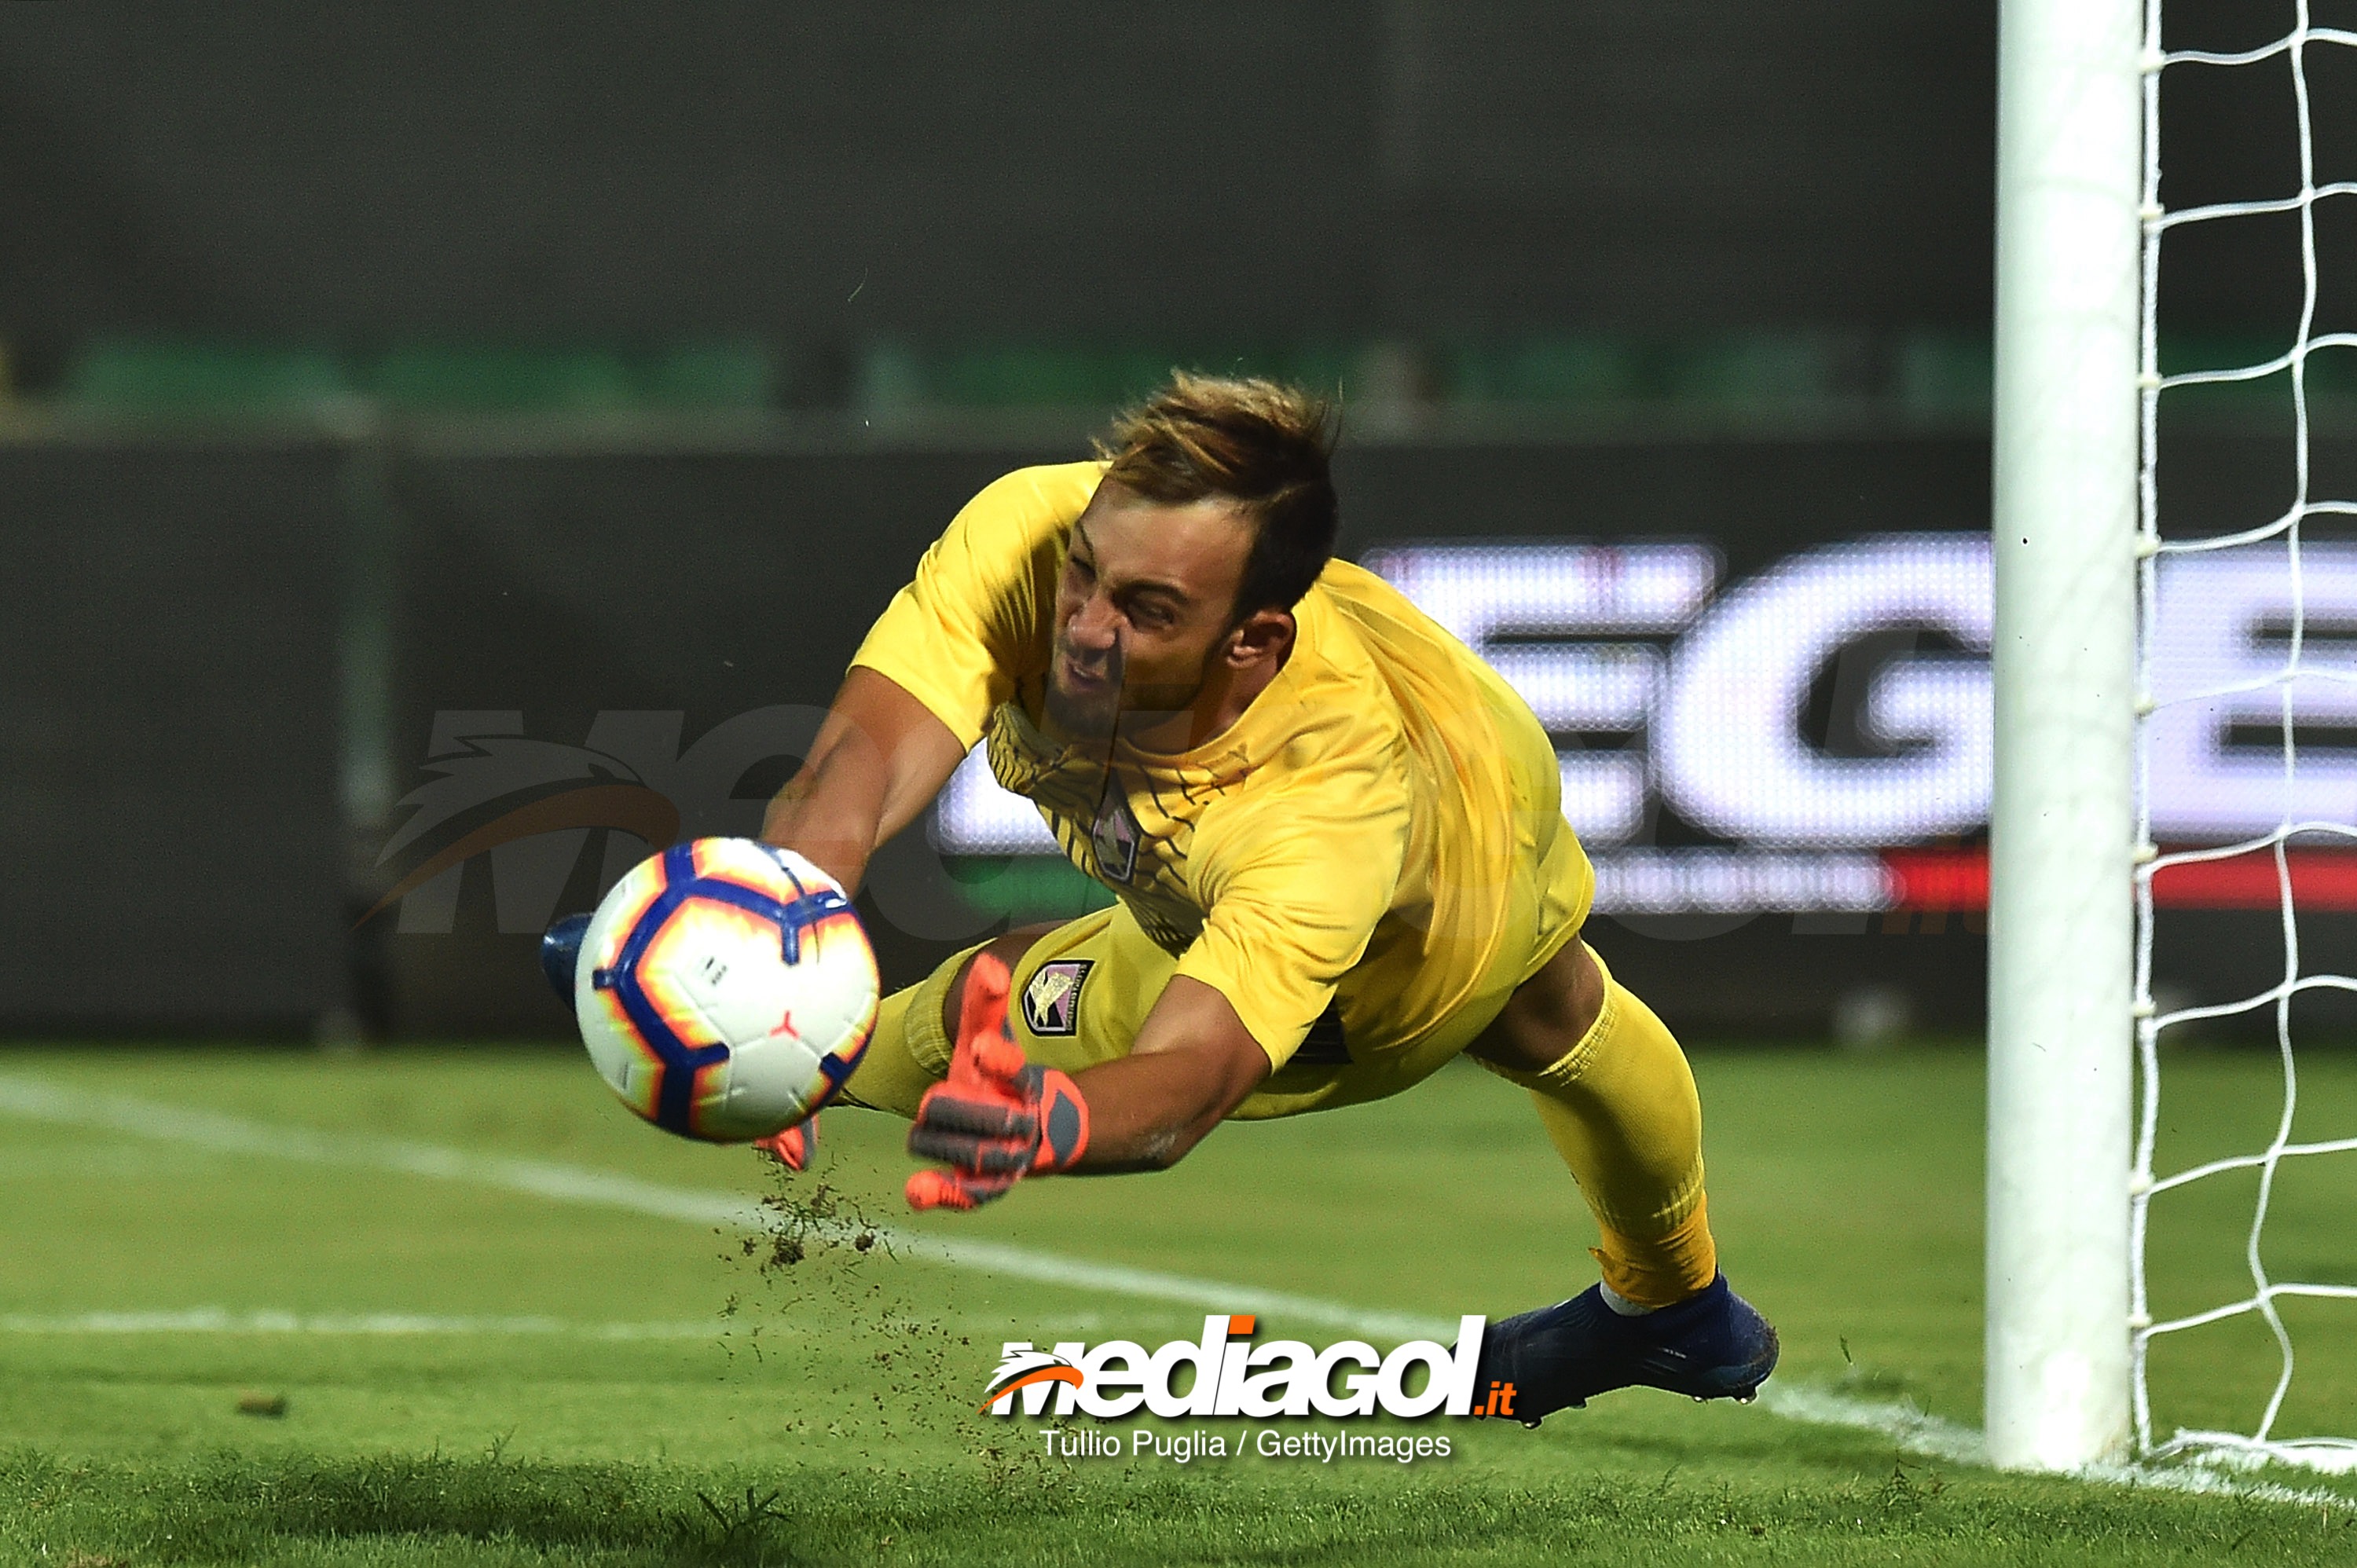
(1008, 950)
(1548, 1015)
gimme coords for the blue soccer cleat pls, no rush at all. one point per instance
(1713, 1345)
(560, 955)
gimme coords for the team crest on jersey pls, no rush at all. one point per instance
(1115, 836)
(1052, 1002)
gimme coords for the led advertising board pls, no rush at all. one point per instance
(1818, 736)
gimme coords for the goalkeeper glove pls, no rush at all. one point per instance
(996, 1117)
(560, 955)
(795, 1147)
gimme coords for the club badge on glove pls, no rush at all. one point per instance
(997, 1118)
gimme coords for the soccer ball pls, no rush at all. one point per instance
(724, 989)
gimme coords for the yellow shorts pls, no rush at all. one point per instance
(1082, 992)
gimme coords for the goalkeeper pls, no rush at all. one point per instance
(1335, 842)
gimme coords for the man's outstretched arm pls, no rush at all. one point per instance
(997, 1117)
(1193, 1063)
(879, 759)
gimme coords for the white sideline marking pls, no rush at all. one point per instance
(34, 1099)
(219, 1320)
(1916, 1433)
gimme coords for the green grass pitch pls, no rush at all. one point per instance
(579, 1383)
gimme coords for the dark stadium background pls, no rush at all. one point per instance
(369, 366)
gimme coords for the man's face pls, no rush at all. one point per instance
(1144, 602)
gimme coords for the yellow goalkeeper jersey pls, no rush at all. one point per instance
(1376, 844)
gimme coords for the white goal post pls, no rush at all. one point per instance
(2094, 710)
(2060, 1049)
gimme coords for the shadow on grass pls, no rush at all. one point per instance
(482, 1510)
(230, 1507)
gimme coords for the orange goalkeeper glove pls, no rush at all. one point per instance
(997, 1118)
(795, 1147)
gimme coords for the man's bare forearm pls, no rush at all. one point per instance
(879, 759)
(831, 810)
(1195, 1063)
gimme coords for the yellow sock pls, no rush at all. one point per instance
(910, 1051)
(1621, 1109)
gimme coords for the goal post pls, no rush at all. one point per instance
(2065, 456)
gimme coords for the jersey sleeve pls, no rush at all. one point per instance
(1295, 883)
(974, 619)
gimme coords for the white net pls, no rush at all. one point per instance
(2248, 632)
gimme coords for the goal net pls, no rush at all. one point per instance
(2246, 771)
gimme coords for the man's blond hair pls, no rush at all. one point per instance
(1264, 446)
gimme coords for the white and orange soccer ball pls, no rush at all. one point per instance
(726, 989)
